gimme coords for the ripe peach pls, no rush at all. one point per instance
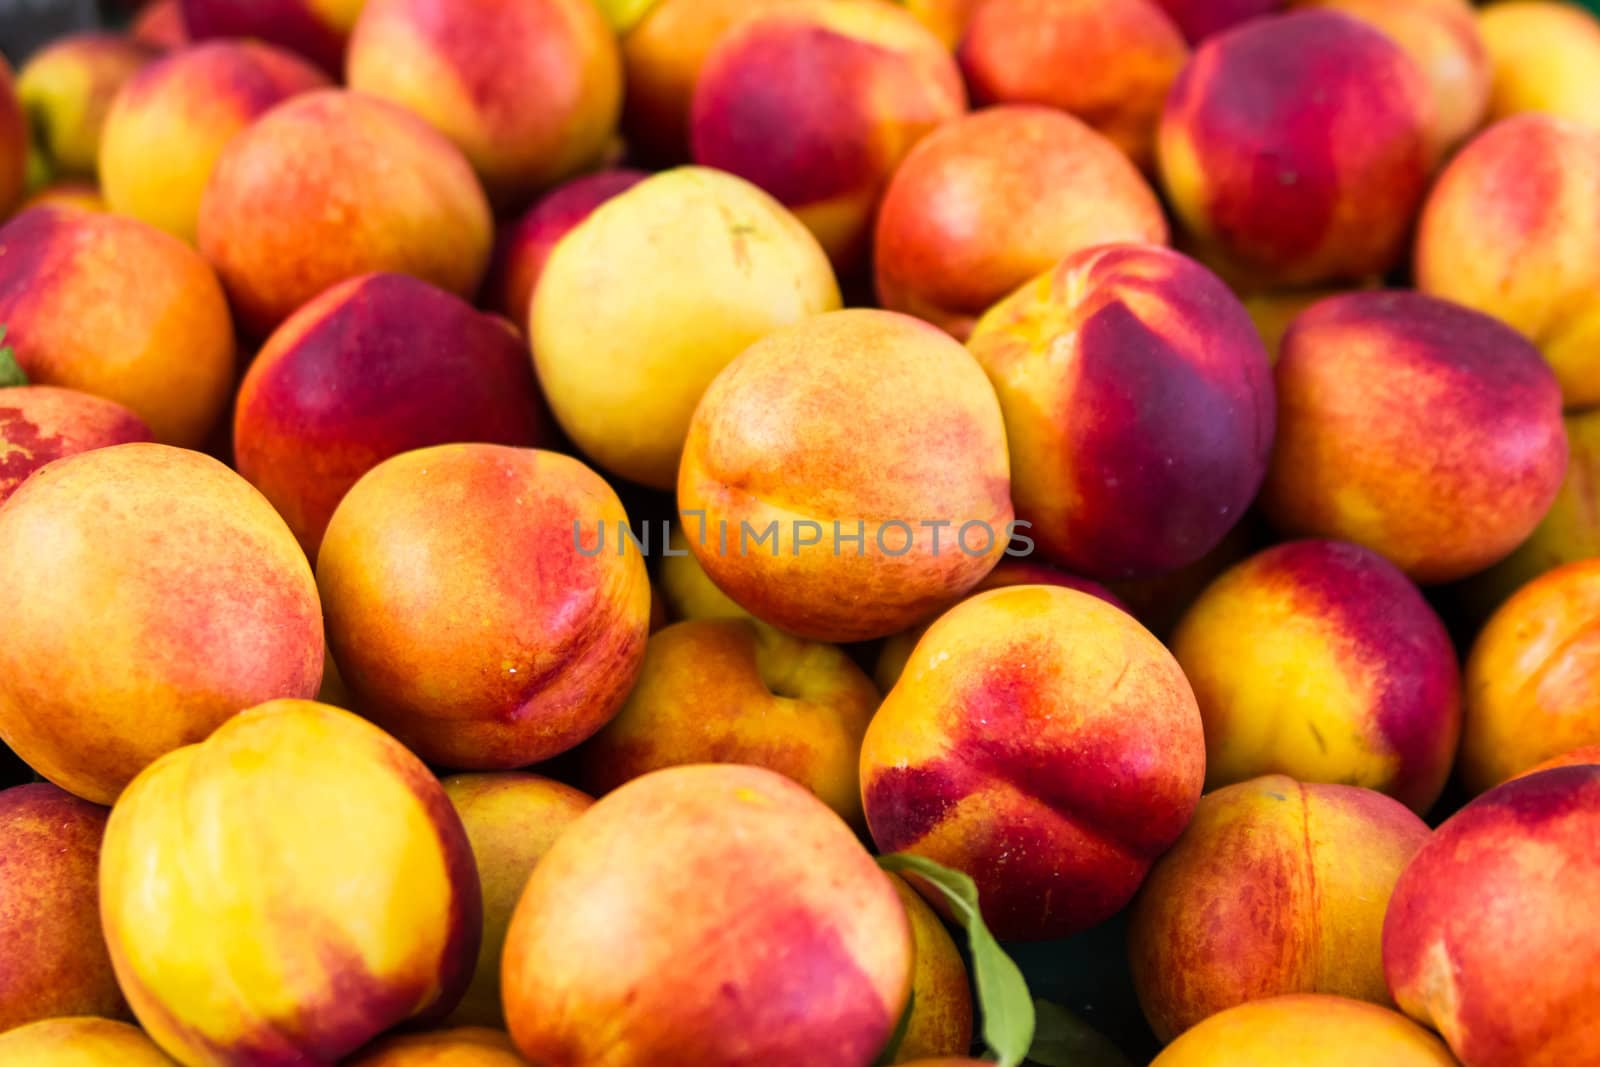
(699, 265)
(466, 1046)
(56, 962)
(842, 506)
(524, 247)
(1046, 744)
(159, 25)
(80, 1042)
(941, 1004)
(14, 144)
(1569, 531)
(1263, 167)
(663, 54)
(167, 128)
(1320, 660)
(1533, 678)
(817, 103)
(113, 307)
(1492, 936)
(1139, 407)
(1275, 888)
(1306, 1031)
(1545, 57)
(69, 195)
(1421, 429)
(1199, 19)
(374, 367)
(302, 855)
(1578, 757)
(330, 185)
(151, 595)
(731, 691)
(511, 821)
(475, 608)
(317, 29)
(1509, 229)
(67, 88)
(1109, 63)
(897, 648)
(40, 424)
(619, 954)
(1442, 39)
(988, 202)
(529, 90)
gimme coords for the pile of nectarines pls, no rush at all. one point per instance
(770, 533)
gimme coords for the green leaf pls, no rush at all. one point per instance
(1002, 992)
(11, 372)
(624, 15)
(896, 1039)
(1064, 1040)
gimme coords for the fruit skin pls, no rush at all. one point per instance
(176, 580)
(619, 955)
(992, 200)
(1364, 686)
(67, 88)
(1110, 64)
(332, 185)
(159, 25)
(1444, 469)
(1546, 58)
(662, 57)
(524, 247)
(1046, 744)
(299, 853)
(1306, 1031)
(1492, 937)
(511, 820)
(1124, 481)
(317, 29)
(40, 424)
(471, 663)
(80, 1041)
(1442, 38)
(1275, 888)
(947, 19)
(732, 691)
(1199, 19)
(941, 1008)
(817, 103)
(68, 195)
(167, 127)
(701, 265)
(14, 143)
(792, 432)
(1533, 678)
(529, 90)
(376, 366)
(1578, 757)
(1508, 229)
(466, 1046)
(113, 307)
(56, 962)
(1260, 167)
(897, 648)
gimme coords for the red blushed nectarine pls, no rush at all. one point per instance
(1200, 19)
(1265, 168)
(1422, 429)
(841, 505)
(1139, 408)
(1493, 937)
(40, 424)
(991, 200)
(1318, 659)
(475, 610)
(1046, 744)
(316, 29)
(374, 367)
(14, 143)
(707, 916)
